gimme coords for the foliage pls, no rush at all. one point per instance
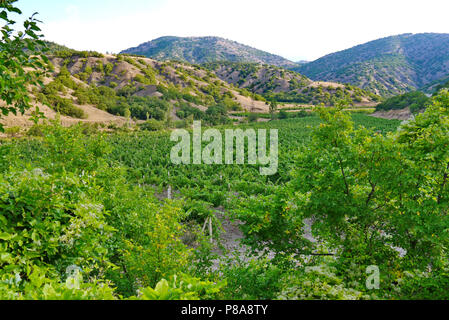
(250, 280)
(46, 218)
(152, 125)
(253, 117)
(184, 287)
(424, 285)
(416, 101)
(40, 287)
(63, 206)
(317, 283)
(214, 115)
(18, 52)
(271, 83)
(387, 66)
(13, 131)
(369, 194)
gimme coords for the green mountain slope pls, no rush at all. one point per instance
(197, 50)
(415, 101)
(436, 86)
(288, 86)
(387, 66)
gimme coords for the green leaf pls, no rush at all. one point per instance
(6, 236)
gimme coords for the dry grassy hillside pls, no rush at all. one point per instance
(100, 88)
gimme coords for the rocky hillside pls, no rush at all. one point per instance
(90, 86)
(386, 66)
(287, 86)
(197, 50)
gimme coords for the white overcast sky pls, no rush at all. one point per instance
(297, 30)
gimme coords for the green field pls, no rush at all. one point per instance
(113, 184)
(58, 179)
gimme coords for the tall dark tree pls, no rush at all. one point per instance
(273, 107)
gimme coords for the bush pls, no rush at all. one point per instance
(283, 114)
(252, 280)
(184, 287)
(154, 107)
(37, 130)
(48, 226)
(317, 283)
(41, 287)
(217, 114)
(415, 100)
(152, 125)
(253, 117)
(108, 68)
(12, 131)
(66, 107)
(141, 79)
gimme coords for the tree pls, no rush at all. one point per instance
(253, 117)
(283, 114)
(370, 193)
(374, 199)
(273, 108)
(20, 52)
(127, 115)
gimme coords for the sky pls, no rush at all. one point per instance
(294, 29)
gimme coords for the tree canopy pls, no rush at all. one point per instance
(21, 61)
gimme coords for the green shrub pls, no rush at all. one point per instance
(48, 226)
(252, 280)
(66, 107)
(317, 283)
(415, 100)
(37, 130)
(184, 287)
(141, 79)
(283, 114)
(88, 70)
(152, 125)
(99, 67)
(12, 131)
(41, 287)
(108, 68)
(253, 117)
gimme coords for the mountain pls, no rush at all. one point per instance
(386, 66)
(436, 86)
(287, 86)
(197, 50)
(88, 86)
(124, 77)
(414, 100)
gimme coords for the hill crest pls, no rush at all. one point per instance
(386, 66)
(197, 50)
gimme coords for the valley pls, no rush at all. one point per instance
(96, 88)
(201, 168)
